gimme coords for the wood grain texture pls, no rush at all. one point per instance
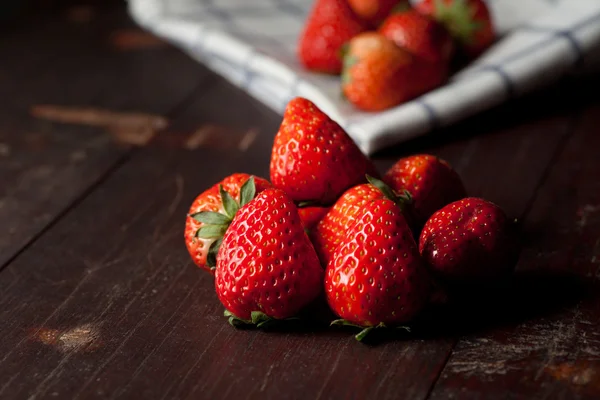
(549, 346)
(45, 166)
(107, 304)
(117, 310)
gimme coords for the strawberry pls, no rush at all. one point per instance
(217, 205)
(331, 230)
(310, 216)
(375, 11)
(427, 40)
(469, 22)
(266, 267)
(376, 277)
(420, 35)
(313, 159)
(330, 24)
(377, 74)
(469, 240)
(431, 182)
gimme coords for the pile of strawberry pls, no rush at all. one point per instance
(388, 52)
(328, 224)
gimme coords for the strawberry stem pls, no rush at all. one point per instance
(363, 334)
(365, 330)
(215, 224)
(457, 16)
(235, 321)
(257, 319)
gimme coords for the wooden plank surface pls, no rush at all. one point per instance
(106, 303)
(79, 72)
(549, 344)
(132, 315)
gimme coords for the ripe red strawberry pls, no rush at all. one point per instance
(310, 216)
(431, 182)
(313, 159)
(266, 266)
(427, 40)
(330, 24)
(470, 240)
(420, 35)
(332, 228)
(376, 277)
(219, 199)
(377, 74)
(469, 22)
(375, 11)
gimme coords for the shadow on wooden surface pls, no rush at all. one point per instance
(527, 296)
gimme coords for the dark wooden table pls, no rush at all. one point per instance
(106, 136)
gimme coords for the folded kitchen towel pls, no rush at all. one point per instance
(253, 45)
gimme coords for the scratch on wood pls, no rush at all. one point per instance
(561, 335)
(551, 338)
(579, 373)
(332, 370)
(172, 324)
(126, 127)
(489, 368)
(179, 185)
(75, 337)
(82, 338)
(48, 318)
(134, 39)
(247, 139)
(199, 137)
(133, 330)
(193, 367)
(8, 382)
(136, 136)
(266, 379)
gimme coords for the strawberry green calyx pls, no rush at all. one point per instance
(365, 330)
(404, 200)
(348, 62)
(215, 224)
(257, 319)
(457, 16)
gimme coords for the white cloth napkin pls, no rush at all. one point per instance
(253, 45)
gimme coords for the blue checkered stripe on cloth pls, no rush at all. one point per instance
(253, 45)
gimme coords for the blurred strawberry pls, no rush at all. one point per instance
(330, 24)
(427, 40)
(469, 22)
(377, 74)
(421, 35)
(375, 11)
